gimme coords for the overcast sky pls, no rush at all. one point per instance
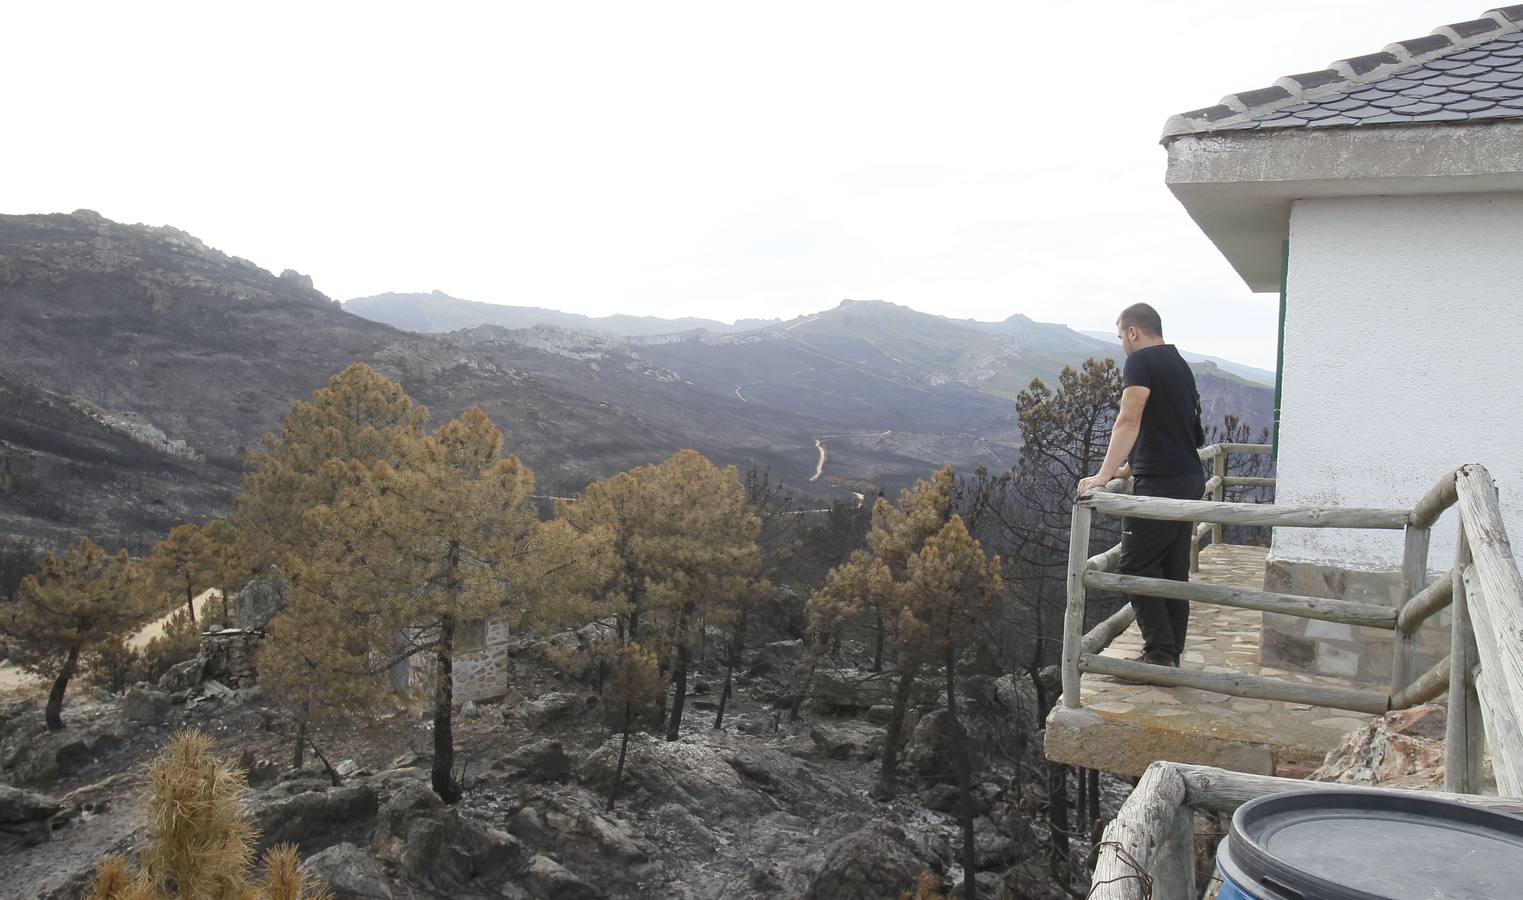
(711, 159)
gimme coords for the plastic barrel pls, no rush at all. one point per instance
(1368, 845)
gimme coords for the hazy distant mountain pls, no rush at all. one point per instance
(137, 365)
(438, 312)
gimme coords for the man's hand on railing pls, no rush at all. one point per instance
(1100, 480)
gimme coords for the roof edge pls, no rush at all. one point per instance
(1342, 74)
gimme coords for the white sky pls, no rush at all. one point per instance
(714, 159)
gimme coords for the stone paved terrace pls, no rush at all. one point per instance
(1122, 728)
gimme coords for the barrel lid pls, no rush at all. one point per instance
(1359, 845)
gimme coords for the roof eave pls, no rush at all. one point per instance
(1238, 186)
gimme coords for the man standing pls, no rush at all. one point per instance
(1155, 439)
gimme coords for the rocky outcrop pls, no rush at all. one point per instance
(350, 873)
(437, 845)
(66, 753)
(549, 879)
(315, 818)
(259, 601)
(1403, 748)
(688, 771)
(870, 864)
(145, 705)
(542, 760)
(25, 818)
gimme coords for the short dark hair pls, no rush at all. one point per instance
(1142, 317)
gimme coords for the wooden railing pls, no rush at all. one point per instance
(1483, 673)
(1148, 852)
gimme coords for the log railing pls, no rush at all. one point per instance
(1216, 488)
(1483, 673)
(1148, 851)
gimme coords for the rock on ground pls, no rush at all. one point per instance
(350, 873)
(869, 864)
(1404, 748)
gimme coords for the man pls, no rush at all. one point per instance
(1155, 439)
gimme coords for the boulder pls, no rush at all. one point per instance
(776, 658)
(542, 760)
(183, 676)
(850, 691)
(143, 704)
(66, 753)
(927, 752)
(847, 740)
(997, 848)
(1404, 748)
(549, 879)
(258, 602)
(869, 864)
(553, 708)
(947, 798)
(686, 771)
(429, 841)
(25, 817)
(315, 818)
(560, 829)
(350, 873)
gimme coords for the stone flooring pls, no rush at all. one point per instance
(1121, 728)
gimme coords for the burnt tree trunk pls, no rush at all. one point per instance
(444, 698)
(959, 744)
(618, 771)
(679, 680)
(895, 728)
(190, 599)
(54, 711)
(732, 656)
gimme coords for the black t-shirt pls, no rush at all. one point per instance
(1170, 433)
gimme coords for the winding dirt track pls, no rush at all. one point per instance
(14, 680)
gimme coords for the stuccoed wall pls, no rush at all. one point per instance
(1403, 360)
(1403, 356)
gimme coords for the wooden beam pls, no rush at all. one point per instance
(1494, 589)
(1210, 789)
(1260, 449)
(1248, 481)
(1100, 637)
(1432, 505)
(1504, 733)
(1464, 731)
(1219, 493)
(1105, 562)
(1073, 613)
(1244, 513)
(1423, 688)
(1343, 611)
(1238, 684)
(1429, 600)
(1128, 862)
(1414, 577)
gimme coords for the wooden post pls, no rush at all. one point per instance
(1414, 577)
(1219, 471)
(1494, 598)
(1464, 738)
(1136, 843)
(1073, 614)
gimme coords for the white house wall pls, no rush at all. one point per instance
(1403, 360)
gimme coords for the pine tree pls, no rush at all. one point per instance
(952, 589)
(873, 584)
(634, 683)
(359, 415)
(200, 845)
(68, 606)
(685, 538)
(448, 535)
(183, 562)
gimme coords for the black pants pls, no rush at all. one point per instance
(1158, 549)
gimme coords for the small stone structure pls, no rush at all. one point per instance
(481, 662)
(229, 656)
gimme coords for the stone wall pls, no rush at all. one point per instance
(479, 674)
(1328, 648)
(229, 656)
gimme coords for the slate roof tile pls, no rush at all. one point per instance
(1465, 71)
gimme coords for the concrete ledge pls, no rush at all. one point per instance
(1126, 746)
